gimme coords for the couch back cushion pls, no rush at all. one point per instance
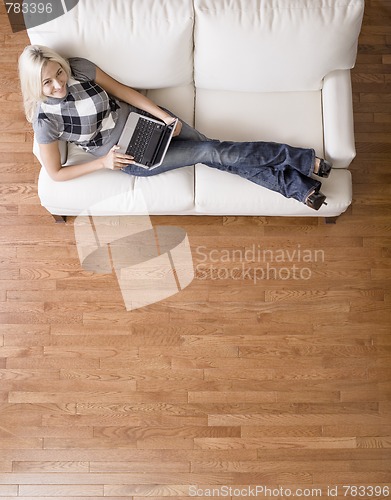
(143, 43)
(273, 45)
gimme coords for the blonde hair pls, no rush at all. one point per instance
(31, 62)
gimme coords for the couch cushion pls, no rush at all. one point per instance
(143, 43)
(273, 45)
(289, 117)
(221, 193)
(115, 193)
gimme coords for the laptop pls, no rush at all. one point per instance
(146, 139)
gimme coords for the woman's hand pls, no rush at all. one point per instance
(178, 127)
(115, 160)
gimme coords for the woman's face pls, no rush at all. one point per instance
(54, 80)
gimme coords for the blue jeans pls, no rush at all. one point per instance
(279, 167)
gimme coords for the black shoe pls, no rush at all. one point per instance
(324, 168)
(315, 200)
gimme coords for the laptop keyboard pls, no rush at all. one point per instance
(140, 139)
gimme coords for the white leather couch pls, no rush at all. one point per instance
(271, 70)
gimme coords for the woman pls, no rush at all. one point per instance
(75, 101)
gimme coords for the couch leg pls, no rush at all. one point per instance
(330, 220)
(59, 219)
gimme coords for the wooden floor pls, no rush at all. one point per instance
(282, 383)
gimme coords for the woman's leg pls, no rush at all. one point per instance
(265, 164)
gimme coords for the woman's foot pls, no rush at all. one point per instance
(315, 200)
(322, 167)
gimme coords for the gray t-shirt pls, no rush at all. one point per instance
(87, 116)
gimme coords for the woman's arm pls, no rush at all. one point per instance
(131, 96)
(51, 159)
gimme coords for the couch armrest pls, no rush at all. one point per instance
(338, 124)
